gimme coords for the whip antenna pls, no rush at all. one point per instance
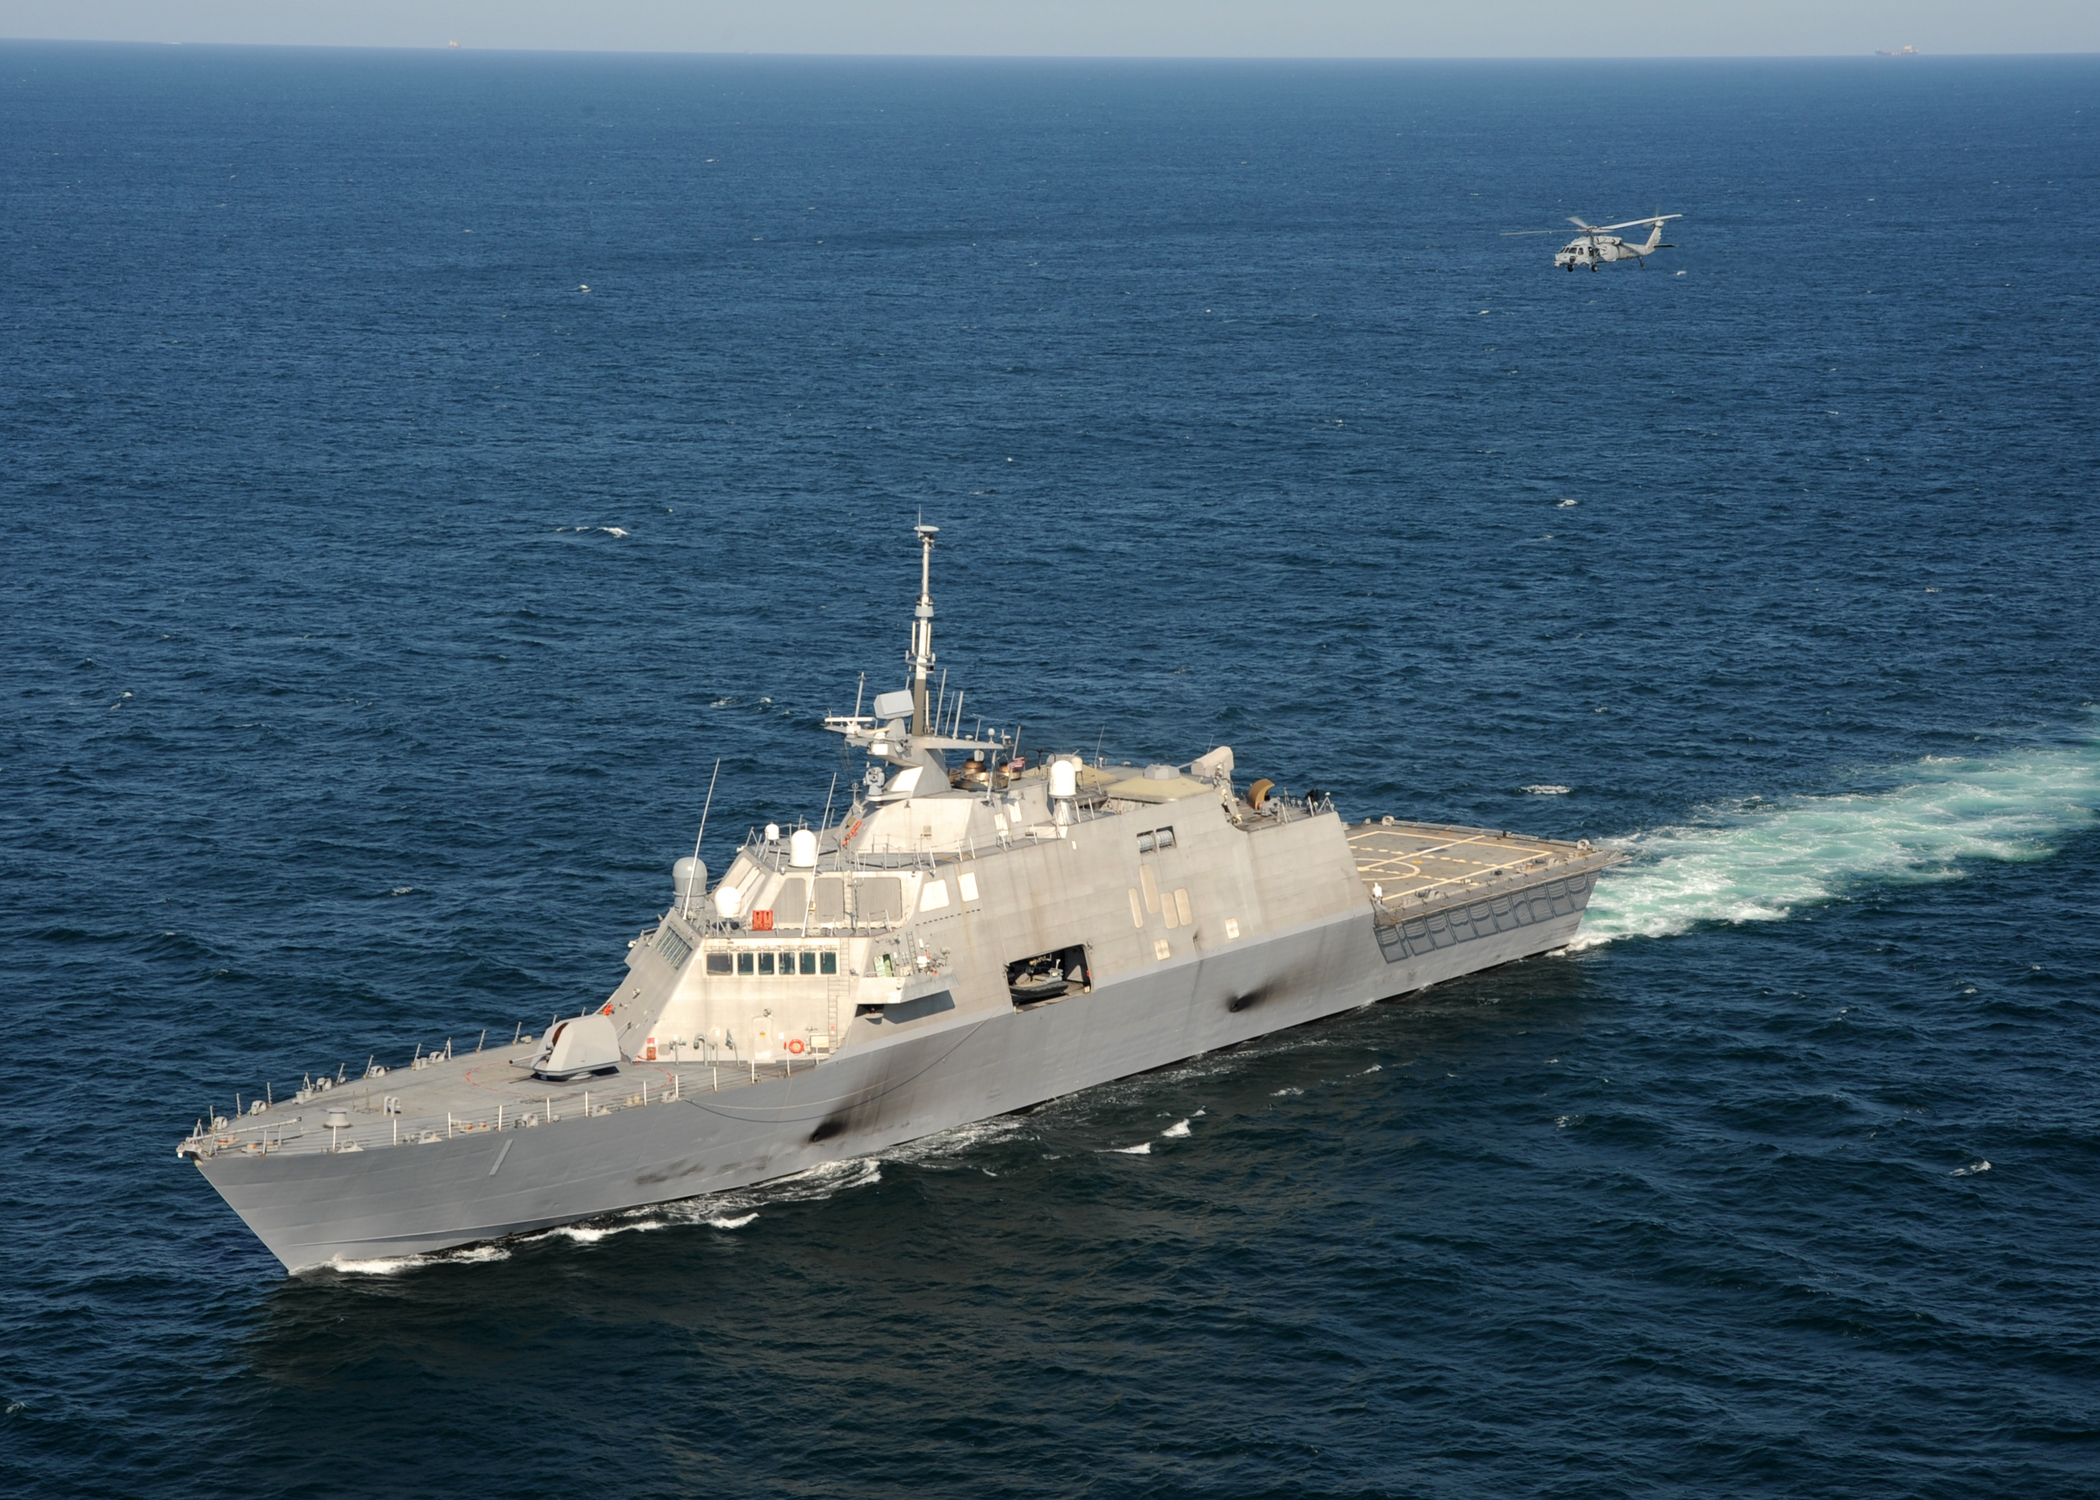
(704, 808)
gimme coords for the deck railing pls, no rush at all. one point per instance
(310, 1131)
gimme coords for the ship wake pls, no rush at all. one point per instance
(1757, 861)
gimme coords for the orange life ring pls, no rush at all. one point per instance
(795, 1045)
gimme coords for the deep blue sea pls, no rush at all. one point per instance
(419, 469)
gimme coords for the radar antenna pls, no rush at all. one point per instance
(921, 657)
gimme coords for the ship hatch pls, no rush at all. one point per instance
(1049, 976)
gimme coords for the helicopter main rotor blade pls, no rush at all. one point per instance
(1510, 233)
(1636, 223)
(1586, 228)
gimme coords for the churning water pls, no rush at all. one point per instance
(1757, 861)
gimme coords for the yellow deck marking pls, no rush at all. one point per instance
(1377, 859)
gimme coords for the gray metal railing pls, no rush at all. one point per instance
(266, 1135)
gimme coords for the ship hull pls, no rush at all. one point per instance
(318, 1208)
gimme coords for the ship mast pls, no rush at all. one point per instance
(921, 657)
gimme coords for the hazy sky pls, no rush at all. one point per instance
(1082, 28)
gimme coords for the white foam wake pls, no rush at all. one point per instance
(1757, 861)
(394, 1265)
(736, 1207)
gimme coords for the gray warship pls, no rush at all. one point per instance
(976, 933)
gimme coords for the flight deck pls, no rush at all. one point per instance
(1401, 862)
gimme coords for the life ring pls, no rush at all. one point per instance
(795, 1045)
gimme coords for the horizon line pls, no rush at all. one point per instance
(1099, 57)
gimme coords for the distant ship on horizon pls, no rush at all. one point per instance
(1899, 52)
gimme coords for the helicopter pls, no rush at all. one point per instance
(1596, 245)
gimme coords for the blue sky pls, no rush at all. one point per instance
(1099, 28)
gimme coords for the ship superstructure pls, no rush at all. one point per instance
(973, 935)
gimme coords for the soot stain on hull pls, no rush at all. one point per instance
(1249, 999)
(671, 1173)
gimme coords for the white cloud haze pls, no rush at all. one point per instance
(1092, 28)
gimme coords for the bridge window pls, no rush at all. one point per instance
(765, 964)
(745, 963)
(721, 963)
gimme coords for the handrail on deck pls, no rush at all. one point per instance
(264, 1136)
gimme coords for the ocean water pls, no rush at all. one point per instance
(420, 469)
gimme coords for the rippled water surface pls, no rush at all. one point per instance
(420, 469)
